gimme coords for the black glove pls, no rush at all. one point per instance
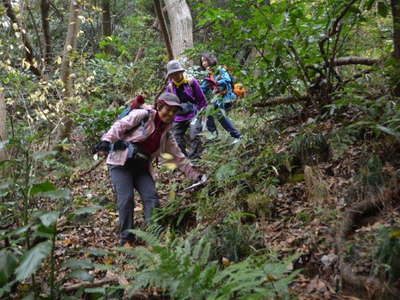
(119, 145)
(103, 146)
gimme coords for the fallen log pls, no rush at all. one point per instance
(371, 206)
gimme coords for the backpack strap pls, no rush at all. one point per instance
(142, 123)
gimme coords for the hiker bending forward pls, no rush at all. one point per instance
(132, 143)
(193, 100)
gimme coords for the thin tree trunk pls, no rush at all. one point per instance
(44, 10)
(3, 126)
(396, 27)
(28, 50)
(396, 40)
(69, 47)
(163, 27)
(106, 22)
(181, 26)
(65, 127)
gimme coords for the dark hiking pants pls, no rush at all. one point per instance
(225, 122)
(195, 127)
(133, 175)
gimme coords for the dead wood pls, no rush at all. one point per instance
(282, 100)
(371, 206)
(354, 60)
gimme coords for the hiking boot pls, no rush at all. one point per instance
(236, 141)
(212, 136)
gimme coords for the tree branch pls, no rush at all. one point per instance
(28, 51)
(282, 100)
(354, 60)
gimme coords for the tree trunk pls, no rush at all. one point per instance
(3, 127)
(28, 50)
(106, 22)
(44, 9)
(163, 27)
(396, 41)
(69, 47)
(65, 127)
(396, 27)
(181, 26)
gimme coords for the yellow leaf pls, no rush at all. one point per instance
(15, 26)
(166, 156)
(170, 165)
(395, 233)
(59, 60)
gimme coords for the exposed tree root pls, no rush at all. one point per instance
(375, 288)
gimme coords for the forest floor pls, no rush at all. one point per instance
(304, 218)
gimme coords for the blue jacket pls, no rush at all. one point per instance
(223, 80)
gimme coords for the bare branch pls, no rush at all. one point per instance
(354, 60)
(282, 100)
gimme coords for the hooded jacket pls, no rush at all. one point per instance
(120, 131)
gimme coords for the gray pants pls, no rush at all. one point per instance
(134, 174)
(180, 128)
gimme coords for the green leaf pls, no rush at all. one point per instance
(42, 188)
(383, 9)
(74, 264)
(369, 4)
(81, 275)
(87, 210)
(98, 252)
(8, 263)
(58, 194)
(32, 259)
(43, 155)
(98, 290)
(49, 218)
(388, 131)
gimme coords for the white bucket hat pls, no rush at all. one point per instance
(174, 66)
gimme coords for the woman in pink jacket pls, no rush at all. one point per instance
(132, 143)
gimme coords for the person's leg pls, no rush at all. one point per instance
(179, 130)
(145, 185)
(226, 123)
(195, 146)
(122, 180)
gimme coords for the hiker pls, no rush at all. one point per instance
(217, 85)
(193, 101)
(131, 144)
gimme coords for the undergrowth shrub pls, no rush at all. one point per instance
(182, 268)
(388, 253)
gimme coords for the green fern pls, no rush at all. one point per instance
(183, 268)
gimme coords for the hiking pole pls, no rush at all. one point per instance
(201, 182)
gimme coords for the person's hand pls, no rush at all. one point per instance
(119, 145)
(202, 178)
(102, 148)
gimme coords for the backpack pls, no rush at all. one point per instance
(236, 87)
(136, 103)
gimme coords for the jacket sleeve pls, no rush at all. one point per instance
(198, 95)
(120, 127)
(180, 159)
(224, 78)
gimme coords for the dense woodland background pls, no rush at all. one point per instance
(306, 207)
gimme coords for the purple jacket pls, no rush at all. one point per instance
(193, 90)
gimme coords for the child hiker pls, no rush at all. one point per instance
(131, 144)
(217, 85)
(193, 100)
